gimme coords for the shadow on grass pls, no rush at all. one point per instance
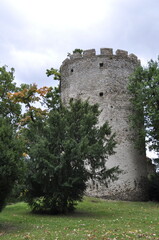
(92, 213)
(7, 228)
(19, 218)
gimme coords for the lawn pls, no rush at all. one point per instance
(93, 219)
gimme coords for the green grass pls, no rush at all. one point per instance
(93, 219)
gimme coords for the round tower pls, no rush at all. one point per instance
(103, 79)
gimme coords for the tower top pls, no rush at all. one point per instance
(104, 52)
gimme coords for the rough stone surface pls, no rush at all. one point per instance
(103, 79)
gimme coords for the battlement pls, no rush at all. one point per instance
(106, 52)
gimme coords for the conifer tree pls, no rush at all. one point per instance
(65, 151)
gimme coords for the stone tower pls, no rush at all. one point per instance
(103, 79)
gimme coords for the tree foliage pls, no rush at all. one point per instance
(7, 107)
(11, 163)
(64, 146)
(154, 187)
(30, 95)
(11, 147)
(55, 72)
(65, 152)
(144, 86)
(78, 50)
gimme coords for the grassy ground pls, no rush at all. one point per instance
(93, 219)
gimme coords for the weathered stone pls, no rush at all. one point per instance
(133, 56)
(106, 51)
(121, 53)
(103, 79)
(75, 55)
(89, 53)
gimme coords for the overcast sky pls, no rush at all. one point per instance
(38, 34)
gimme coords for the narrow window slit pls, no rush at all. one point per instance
(101, 94)
(101, 65)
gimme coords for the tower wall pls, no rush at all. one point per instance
(103, 79)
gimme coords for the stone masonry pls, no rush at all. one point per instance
(103, 79)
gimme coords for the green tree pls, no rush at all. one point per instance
(11, 163)
(11, 148)
(66, 150)
(144, 87)
(7, 86)
(78, 50)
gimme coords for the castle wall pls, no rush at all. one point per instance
(103, 79)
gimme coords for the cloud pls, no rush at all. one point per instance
(37, 34)
(65, 15)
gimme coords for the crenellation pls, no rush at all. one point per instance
(89, 53)
(121, 53)
(133, 57)
(106, 51)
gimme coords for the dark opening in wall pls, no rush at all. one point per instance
(72, 70)
(101, 94)
(101, 65)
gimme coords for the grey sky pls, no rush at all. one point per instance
(38, 34)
